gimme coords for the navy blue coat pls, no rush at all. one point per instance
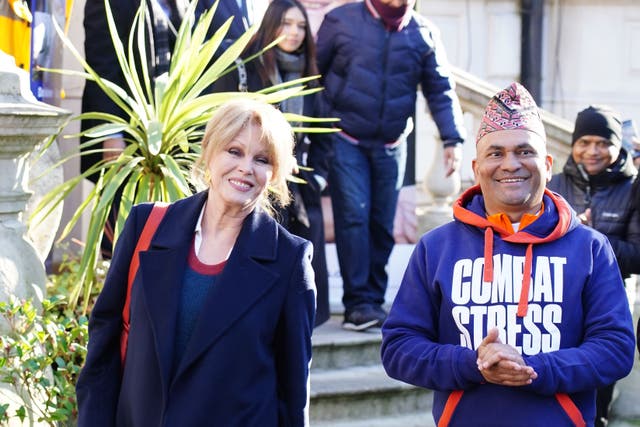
(224, 10)
(306, 197)
(247, 363)
(371, 75)
(101, 56)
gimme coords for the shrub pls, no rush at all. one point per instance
(43, 350)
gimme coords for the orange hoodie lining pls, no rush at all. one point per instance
(461, 213)
(502, 220)
(563, 399)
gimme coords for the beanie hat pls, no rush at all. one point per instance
(599, 121)
(511, 108)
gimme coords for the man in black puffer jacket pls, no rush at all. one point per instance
(373, 56)
(597, 182)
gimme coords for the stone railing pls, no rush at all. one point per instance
(24, 124)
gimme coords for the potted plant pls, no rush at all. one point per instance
(163, 131)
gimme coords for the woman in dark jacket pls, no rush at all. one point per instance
(222, 305)
(292, 58)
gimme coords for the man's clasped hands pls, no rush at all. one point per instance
(501, 363)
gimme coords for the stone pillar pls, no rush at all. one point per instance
(24, 123)
(442, 191)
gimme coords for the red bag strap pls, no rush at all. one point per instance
(153, 221)
(571, 409)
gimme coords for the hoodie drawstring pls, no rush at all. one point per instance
(469, 209)
(488, 255)
(523, 302)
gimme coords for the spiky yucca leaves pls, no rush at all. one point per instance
(164, 127)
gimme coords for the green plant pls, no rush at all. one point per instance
(44, 348)
(40, 358)
(65, 277)
(164, 129)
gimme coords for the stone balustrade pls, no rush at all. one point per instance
(24, 124)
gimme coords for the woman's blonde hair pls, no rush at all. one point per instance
(276, 133)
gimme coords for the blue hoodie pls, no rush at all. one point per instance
(573, 326)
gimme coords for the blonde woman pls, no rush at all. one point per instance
(223, 304)
(292, 58)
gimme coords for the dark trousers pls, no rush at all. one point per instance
(603, 402)
(364, 184)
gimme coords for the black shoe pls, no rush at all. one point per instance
(360, 319)
(380, 314)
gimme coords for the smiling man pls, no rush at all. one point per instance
(596, 181)
(515, 312)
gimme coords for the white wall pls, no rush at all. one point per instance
(598, 48)
(481, 37)
(592, 48)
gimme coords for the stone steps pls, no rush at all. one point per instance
(413, 420)
(350, 388)
(336, 348)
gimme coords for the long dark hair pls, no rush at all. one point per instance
(268, 32)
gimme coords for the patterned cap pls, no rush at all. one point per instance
(511, 108)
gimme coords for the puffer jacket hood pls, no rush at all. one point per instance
(469, 209)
